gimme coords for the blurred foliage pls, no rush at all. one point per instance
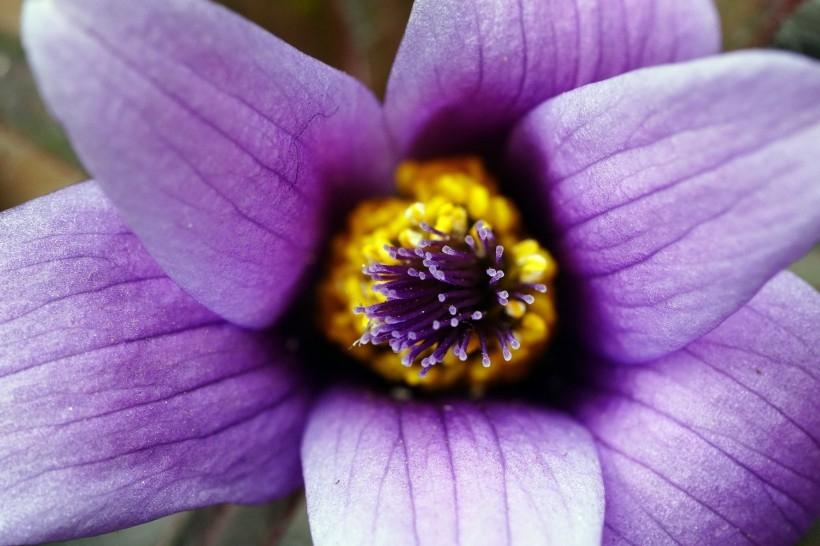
(753, 23)
(35, 157)
(23, 109)
(801, 32)
(360, 37)
(813, 538)
(281, 523)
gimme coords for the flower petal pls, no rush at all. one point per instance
(676, 192)
(718, 443)
(468, 69)
(395, 473)
(121, 398)
(221, 145)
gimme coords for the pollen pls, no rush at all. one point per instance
(439, 287)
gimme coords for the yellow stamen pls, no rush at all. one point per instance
(450, 196)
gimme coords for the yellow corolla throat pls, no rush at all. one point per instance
(438, 287)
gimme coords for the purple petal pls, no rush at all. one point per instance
(718, 443)
(468, 69)
(380, 471)
(221, 145)
(677, 192)
(121, 398)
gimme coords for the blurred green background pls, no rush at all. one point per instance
(360, 37)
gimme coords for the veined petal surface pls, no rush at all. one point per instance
(384, 472)
(674, 193)
(718, 443)
(225, 148)
(121, 398)
(467, 70)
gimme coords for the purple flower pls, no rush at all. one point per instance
(147, 364)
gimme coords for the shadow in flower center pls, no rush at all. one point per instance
(441, 290)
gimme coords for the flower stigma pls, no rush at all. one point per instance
(439, 288)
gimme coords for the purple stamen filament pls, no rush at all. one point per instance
(441, 296)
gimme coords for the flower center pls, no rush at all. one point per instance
(439, 288)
